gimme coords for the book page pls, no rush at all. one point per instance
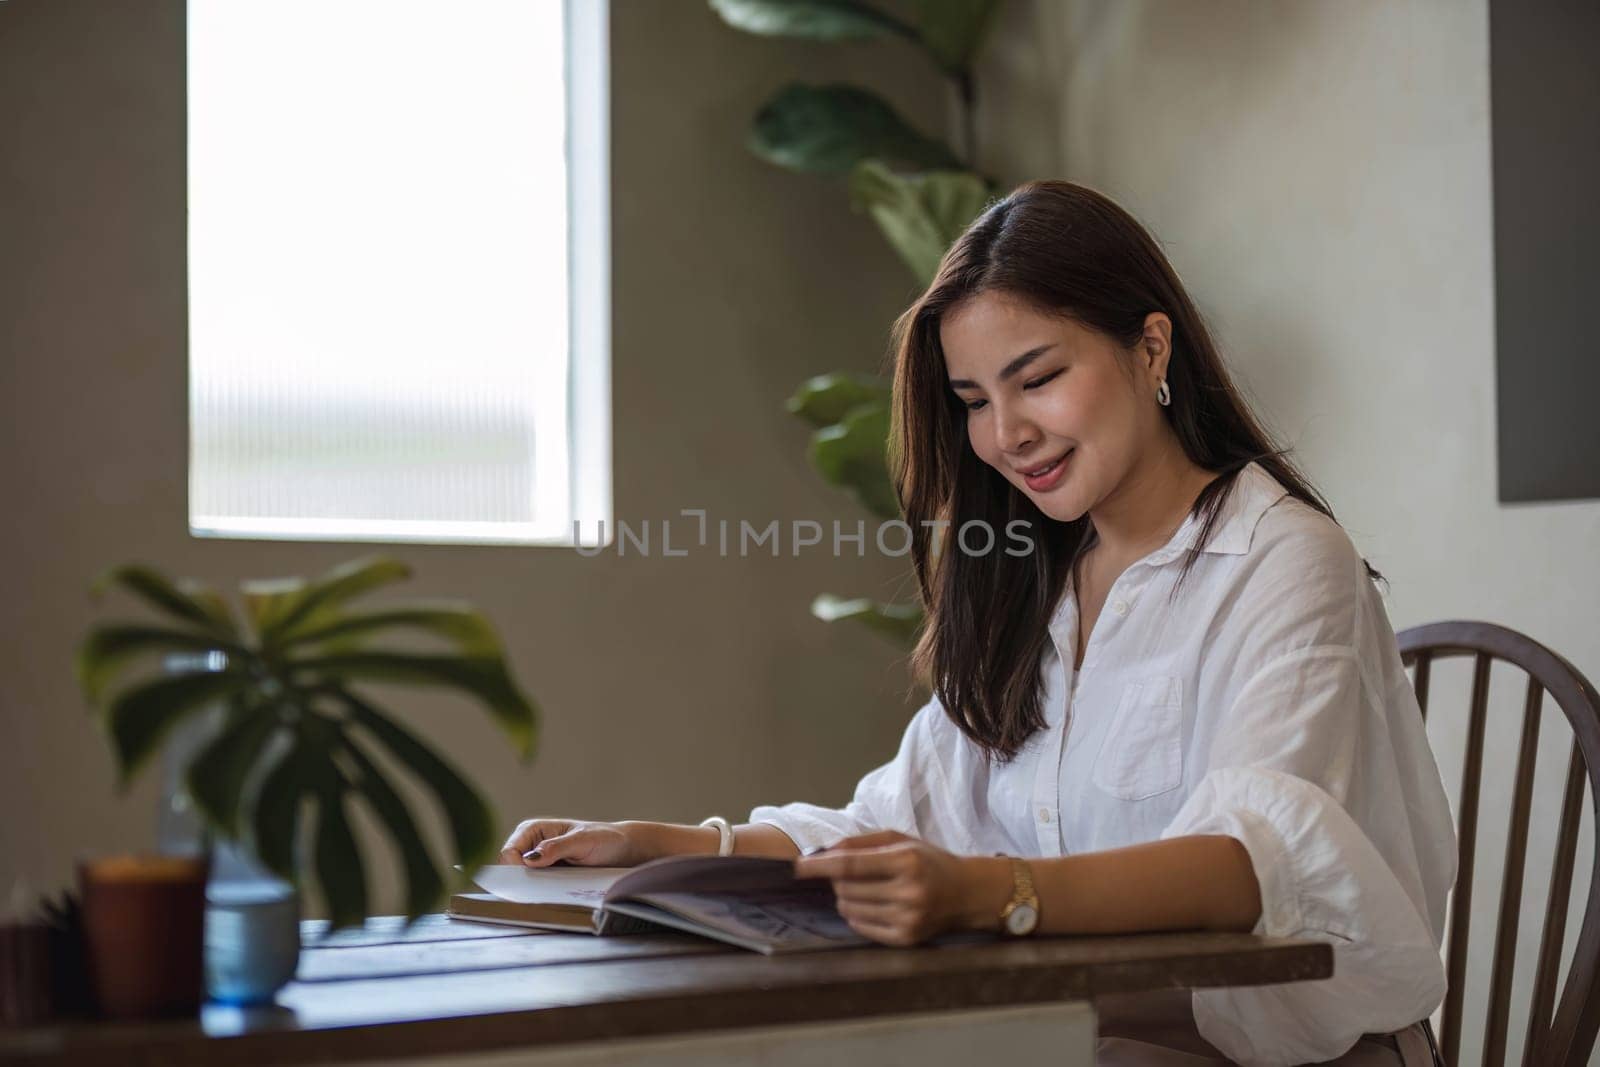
(707, 874)
(776, 921)
(576, 886)
(755, 902)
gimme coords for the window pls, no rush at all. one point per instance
(398, 270)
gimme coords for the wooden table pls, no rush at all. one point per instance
(451, 988)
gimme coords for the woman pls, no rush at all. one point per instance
(1187, 679)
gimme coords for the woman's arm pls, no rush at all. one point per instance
(899, 890)
(749, 839)
(542, 842)
(1183, 883)
(882, 799)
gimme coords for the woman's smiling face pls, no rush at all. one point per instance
(1058, 409)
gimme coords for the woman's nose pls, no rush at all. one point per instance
(1014, 433)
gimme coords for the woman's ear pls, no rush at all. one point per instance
(1156, 343)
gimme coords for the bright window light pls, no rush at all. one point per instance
(398, 310)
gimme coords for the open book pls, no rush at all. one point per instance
(748, 901)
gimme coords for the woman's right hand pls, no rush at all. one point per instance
(586, 844)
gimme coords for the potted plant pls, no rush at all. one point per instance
(299, 740)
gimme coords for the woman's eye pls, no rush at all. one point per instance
(974, 405)
(1046, 380)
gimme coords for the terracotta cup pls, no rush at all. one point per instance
(143, 930)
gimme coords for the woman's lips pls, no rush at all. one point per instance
(1047, 478)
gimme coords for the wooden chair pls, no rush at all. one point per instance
(1565, 1036)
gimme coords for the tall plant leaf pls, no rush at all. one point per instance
(853, 455)
(275, 813)
(466, 628)
(140, 718)
(340, 872)
(266, 600)
(342, 583)
(828, 398)
(217, 775)
(424, 884)
(920, 215)
(953, 30)
(817, 20)
(897, 621)
(482, 677)
(471, 822)
(106, 650)
(191, 603)
(828, 129)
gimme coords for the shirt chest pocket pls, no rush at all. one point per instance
(1142, 754)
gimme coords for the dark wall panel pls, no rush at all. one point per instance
(1545, 111)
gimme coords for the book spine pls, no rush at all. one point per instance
(608, 923)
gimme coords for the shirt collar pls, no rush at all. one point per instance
(1254, 491)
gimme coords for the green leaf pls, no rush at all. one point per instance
(140, 718)
(339, 869)
(424, 883)
(218, 773)
(291, 607)
(899, 621)
(267, 599)
(107, 649)
(828, 398)
(853, 455)
(817, 20)
(275, 814)
(828, 129)
(483, 677)
(458, 623)
(920, 215)
(188, 601)
(471, 822)
(953, 30)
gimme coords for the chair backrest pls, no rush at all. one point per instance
(1559, 1035)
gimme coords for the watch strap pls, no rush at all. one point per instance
(1022, 893)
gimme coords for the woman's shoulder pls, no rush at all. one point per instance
(1291, 536)
(1300, 564)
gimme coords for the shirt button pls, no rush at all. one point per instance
(1120, 607)
(1044, 814)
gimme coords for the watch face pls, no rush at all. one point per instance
(1022, 919)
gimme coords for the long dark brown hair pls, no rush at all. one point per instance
(1065, 250)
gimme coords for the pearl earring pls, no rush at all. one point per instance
(1163, 394)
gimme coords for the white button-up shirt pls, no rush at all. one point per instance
(1266, 702)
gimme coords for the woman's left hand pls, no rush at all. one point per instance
(900, 891)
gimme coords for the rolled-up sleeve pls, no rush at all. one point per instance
(910, 794)
(1321, 878)
(1302, 767)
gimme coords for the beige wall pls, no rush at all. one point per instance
(1319, 173)
(673, 688)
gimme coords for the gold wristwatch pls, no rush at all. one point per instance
(1021, 915)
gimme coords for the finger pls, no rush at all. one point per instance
(885, 933)
(575, 846)
(528, 834)
(870, 911)
(876, 839)
(512, 847)
(875, 891)
(855, 864)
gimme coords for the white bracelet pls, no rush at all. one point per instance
(724, 834)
